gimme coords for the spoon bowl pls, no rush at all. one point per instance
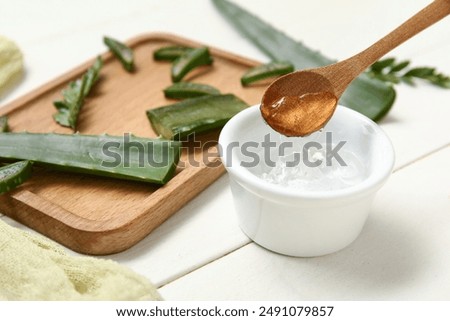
(310, 100)
(302, 102)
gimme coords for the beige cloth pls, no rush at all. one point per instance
(35, 268)
(11, 64)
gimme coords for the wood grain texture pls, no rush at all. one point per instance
(96, 215)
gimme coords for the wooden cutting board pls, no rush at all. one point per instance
(96, 215)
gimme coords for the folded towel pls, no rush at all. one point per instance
(35, 268)
(11, 64)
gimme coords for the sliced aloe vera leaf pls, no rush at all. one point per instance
(92, 75)
(13, 175)
(195, 115)
(70, 107)
(74, 95)
(368, 96)
(122, 52)
(183, 90)
(170, 53)
(125, 157)
(3, 124)
(271, 69)
(190, 60)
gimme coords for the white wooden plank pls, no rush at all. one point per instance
(415, 123)
(402, 253)
(199, 233)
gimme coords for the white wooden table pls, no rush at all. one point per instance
(200, 253)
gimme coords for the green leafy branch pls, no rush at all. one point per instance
(391, 71)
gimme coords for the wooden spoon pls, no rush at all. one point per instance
(302, 102)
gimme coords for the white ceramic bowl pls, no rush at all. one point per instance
(297, 222)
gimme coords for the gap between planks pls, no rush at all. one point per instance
(424, 156)
(177, 277)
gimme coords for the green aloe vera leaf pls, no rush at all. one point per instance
(188, 61)
(74, 95)
(195, 115)
(3, 124)
(92, 75)
(13, 175)
(271, 69)
(170, 53)
(125, 157)
(368, 96)
(122, 52)
(70, 107)
(183, 90)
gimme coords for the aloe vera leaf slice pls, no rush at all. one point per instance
(3, 124)
(74, 95)
(125, 157)
(183, 90)
(264, 71)
(13, 175)
(188, 61)
(368, 96)
(122, 52)
(195, 115)
(70, 107)
(92, 75)
(170, 53)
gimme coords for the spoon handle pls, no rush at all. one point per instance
(355, 65)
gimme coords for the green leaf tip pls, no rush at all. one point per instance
(121, 51)
(389, 70)
(13, 175)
